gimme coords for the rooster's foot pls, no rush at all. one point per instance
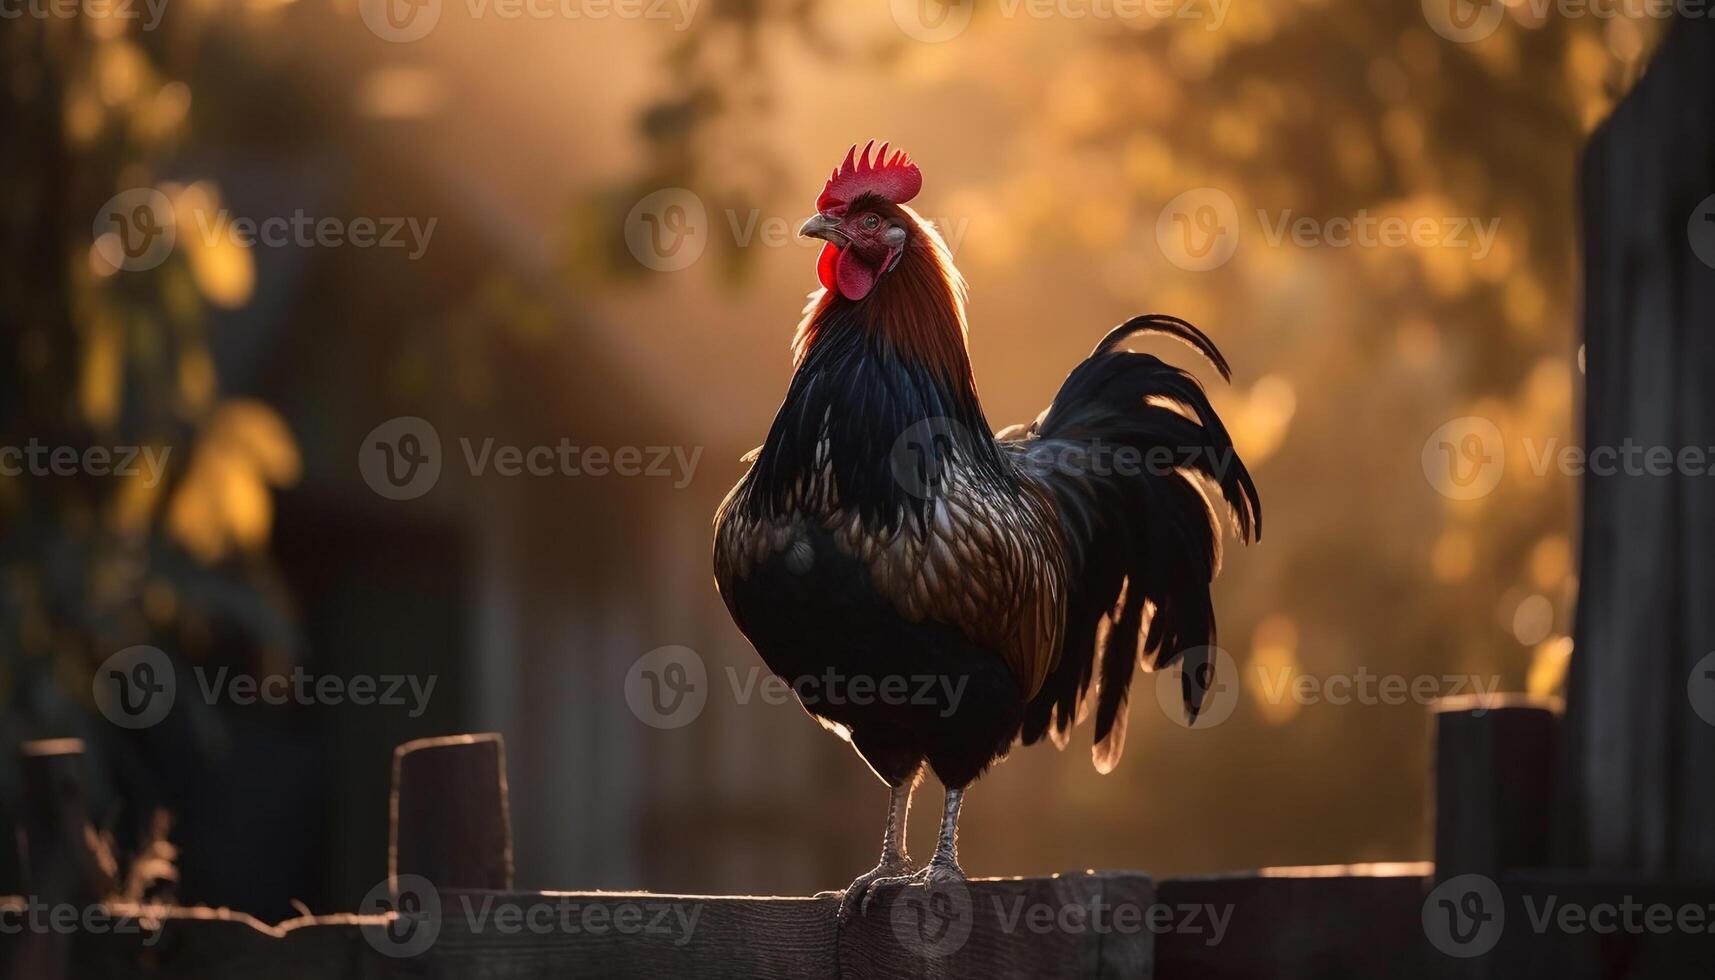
(891, 869)
(938, 876)
(942, 875)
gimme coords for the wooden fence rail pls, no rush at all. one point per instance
(447, 908)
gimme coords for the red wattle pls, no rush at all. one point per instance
(855, 278)
(825, 264)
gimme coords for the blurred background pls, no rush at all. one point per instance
(535, 150)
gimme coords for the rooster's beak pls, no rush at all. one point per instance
(824, 227)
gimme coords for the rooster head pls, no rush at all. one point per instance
(858, 215)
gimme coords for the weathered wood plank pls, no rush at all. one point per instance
(1291, 923)
(486, 935)
(1582, 926)
(1074, 925)
(1085, 925)
(191, 943)
(451, 817)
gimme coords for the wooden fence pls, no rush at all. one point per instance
(449, 909)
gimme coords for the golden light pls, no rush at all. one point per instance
(1273, 668)
(1533, 618)
(1452, 556)
(1551, 561)
(1548, 665)
(220, 262)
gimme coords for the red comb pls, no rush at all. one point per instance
(897, 179)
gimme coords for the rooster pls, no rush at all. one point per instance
(934, 593)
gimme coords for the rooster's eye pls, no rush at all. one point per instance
(870, 221)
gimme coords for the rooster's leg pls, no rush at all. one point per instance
(944, 866)
(894, 861)
(943, 869)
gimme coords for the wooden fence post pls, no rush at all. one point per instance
(59, 865)
(1640, 732)
(1494, 783)
(451, 820)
